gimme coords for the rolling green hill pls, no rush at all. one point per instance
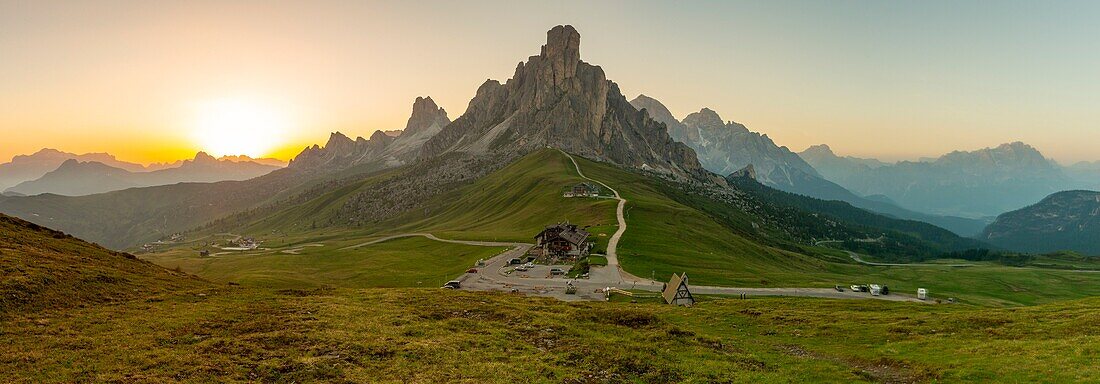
(761, 242)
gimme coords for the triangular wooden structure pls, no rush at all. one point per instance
(676, 291)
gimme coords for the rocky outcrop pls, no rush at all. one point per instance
(747, 172)
(340, 152)
(555, 99)
(427, 120)
(386, 148)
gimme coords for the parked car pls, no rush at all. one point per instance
(453, 284)
(876, 290)
(521, 268)
(471, 270)
(859, 288)
(838, 288)
(556, 271)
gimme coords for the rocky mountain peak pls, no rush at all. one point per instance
(819, 150)
(556, 100)
(657, 110)
(705, 118)
(563, 51)
(425, 114)
(205, 158)
(338, 140)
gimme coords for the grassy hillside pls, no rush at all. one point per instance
(404, 262)
(42, 269)
(666, 237)
(432, 335)
(668, 232)
(75, 312)
(512, 204)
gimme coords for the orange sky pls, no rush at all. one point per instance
(889, 80)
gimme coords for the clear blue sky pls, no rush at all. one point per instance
(888, 79)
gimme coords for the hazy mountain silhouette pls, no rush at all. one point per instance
(77, 178)
(836, 168)
(981, 183)
(29, 167)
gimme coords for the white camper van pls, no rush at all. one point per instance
(922, 294)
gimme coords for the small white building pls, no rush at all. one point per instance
(922, 294)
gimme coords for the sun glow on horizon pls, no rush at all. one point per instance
(239, 126)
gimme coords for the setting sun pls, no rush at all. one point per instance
(237, 126)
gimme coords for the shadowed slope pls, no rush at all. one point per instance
(43, 268)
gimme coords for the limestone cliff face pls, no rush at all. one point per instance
(388, 148)
(555, 99)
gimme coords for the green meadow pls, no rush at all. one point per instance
(663, 237)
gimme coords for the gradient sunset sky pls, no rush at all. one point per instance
(890, 79)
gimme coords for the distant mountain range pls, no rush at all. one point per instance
(728, 147)
(981, 183)
(29, 167)
(77, 178)
(24, 168)
(1067, 220)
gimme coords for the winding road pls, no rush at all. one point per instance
(612, 272)
(495, 274)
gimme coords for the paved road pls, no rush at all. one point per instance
(613, 243)
(858, 259)
(432, 237)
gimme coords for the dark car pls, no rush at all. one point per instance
(471, 270)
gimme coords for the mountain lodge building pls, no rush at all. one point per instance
(583, 190)
(563, 240)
